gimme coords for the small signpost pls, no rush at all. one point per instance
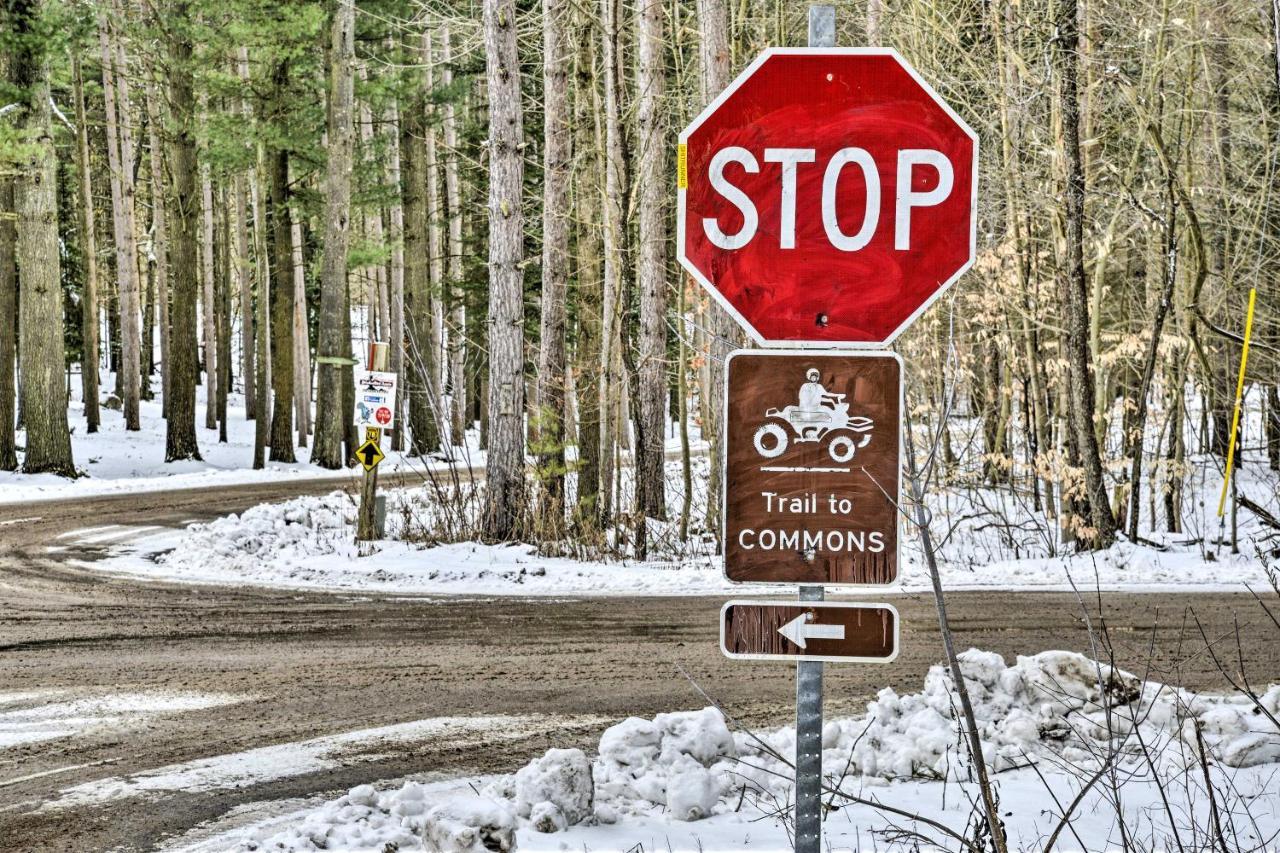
(827, 197)
(375, 411)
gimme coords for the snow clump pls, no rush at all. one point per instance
(556, 790)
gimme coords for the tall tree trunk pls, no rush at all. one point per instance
(120, 161)
(424, 433)
(652, 267)
(557, 150)
(395, 236)
(40, 343)
(590, 283)
(615, 254)
(222, 302)
(262, 330)
(89, 297)
(1075, 297)
(435, 252)
(504, 505)
(300, 335)
(8, 327)
(333, 273)
(282, 285)
(723, 333)
(209, 344)
(239, 203)
(160, 237)
(456, 299)
(180, 430)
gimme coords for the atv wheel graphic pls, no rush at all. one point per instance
(770, 441)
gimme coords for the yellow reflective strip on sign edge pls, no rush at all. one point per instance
(682, 166)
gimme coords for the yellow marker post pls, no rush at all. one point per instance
(1235, 415)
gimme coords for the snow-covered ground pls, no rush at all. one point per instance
(115, 461)
(1054, 725)
(34, 716)
(986, 540)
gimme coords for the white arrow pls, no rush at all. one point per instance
(800, 632)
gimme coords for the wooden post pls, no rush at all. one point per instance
(367, 524)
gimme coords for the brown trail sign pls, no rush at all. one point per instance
(826, 631)
(811, 467)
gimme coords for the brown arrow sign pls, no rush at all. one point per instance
(829, 631)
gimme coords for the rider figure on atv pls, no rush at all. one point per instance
(816, 402)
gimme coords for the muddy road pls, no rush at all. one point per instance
(301, 666)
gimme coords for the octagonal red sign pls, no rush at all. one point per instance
(827, 197)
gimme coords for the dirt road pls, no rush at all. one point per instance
(305, 666)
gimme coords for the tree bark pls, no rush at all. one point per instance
(40, 343)
(395, 236)
(589, 288)
(160, 237)
(615, 253)
(282, 284)
(209, 313)
(327, 452)
(1075, 297)
(557, 150)
(456, 299)
(652, 267)
(723, 334)
(301, 333)
(8, 330)
(120, 161)
(262, 331)
(180, 431)
(504, 506)
(239, 201)
(89, 297)
(424, 433)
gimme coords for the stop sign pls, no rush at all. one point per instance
(827, 196)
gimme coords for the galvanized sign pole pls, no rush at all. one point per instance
(822, 33)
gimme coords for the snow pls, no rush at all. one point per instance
(33, 716)
(1050, 722)
(308, 543)
(279, 761)
(114, 461)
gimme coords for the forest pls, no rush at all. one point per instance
(227, 200)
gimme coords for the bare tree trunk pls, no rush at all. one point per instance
(40, 344)
(239, 201)
(395, 236)
(89, 298)
(423, 393)
(652, 268)
(337, 228)
(1075, 298)
(209, 347)
(504, 491)
(282, 289)
(615, 287)
(722, 332)
(457, 306)
(557, 150)
(435, 253)
(300, 336)
(264, 379)
(180, 436)
(9, 326)
(120, 161)
(590, 283)
(222, 301)
(160, 237)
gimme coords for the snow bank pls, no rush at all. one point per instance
(1059, 709)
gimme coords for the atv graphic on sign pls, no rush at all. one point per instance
(819, 416)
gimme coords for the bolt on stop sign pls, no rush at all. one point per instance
(827, 197)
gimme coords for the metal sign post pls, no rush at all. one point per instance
(822, 33)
